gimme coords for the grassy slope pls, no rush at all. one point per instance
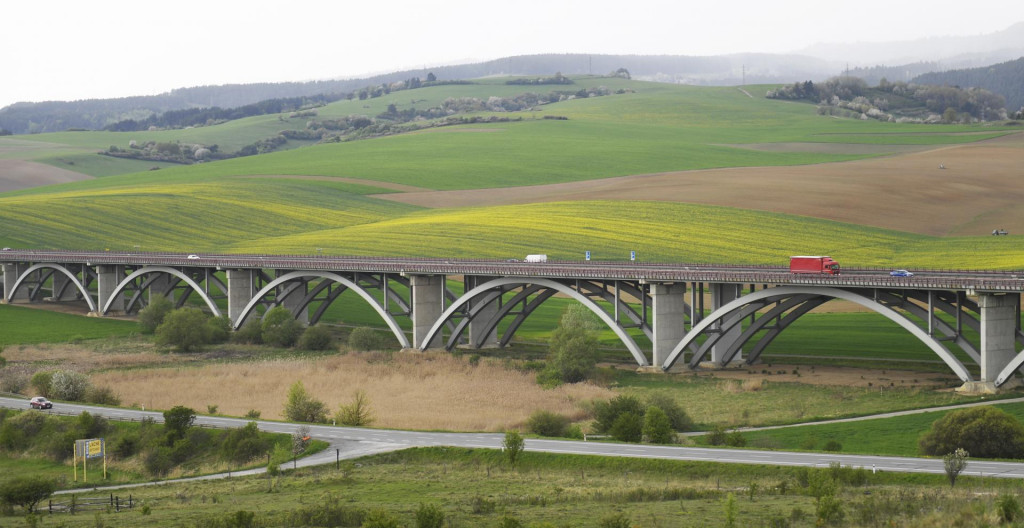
(897, 436)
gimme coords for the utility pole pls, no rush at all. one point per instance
(744, 69)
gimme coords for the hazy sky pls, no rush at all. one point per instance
(74, 49)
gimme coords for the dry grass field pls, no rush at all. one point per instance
(977, 191)
(431, 391)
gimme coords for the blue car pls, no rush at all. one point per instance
(901, 273)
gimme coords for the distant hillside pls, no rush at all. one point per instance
(1006, 79)
(95, 114)
(951, 51)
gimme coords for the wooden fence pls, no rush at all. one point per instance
(81, 504)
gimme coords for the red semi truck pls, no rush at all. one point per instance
(820, 265)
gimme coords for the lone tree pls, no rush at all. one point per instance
(573, 353)
(184, 329)
(301, 407)
(178, 421)
(513, 445)
(26, 492)
(954, 463)
(990, 432)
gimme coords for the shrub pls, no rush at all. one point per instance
(153, 315)
(279, 327)
(513, 446)
(301, 407)
(429, 516)
(218, 329)
(833, 445)
(91, 425)
(717, 436)
(573, 351)
(606, 412)
(365, 339)
(69, 385)
(615, 520)
(184, 329)
(316, 338)
(735, 439)
(380, 518)
(252, 414)
(41, 383)
(676, 415)
(1008, 508)
(250, 333)
(177, 422)
(628, 427)
(356, 413)
(954, 464)
(157, 461)
(101, 396)
(13, 381)
(657, 428)
(990, 432)
(26, 492)
(243, 444)
(547, 423)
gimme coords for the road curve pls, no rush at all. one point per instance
(354, 442)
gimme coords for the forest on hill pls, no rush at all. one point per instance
(97, 114)
(1006, 79)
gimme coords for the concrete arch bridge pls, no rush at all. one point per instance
(694, 316)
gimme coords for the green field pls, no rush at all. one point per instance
(896, 436)
(22, 326)
(477, 488)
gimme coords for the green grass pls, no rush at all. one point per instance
(477, 488)
(29, 326)
(896, 436)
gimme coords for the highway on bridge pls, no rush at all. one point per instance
(974, 280)
(357, 442)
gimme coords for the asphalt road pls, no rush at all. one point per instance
(353, 442)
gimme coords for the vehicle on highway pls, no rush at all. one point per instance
(40, 403)
(193, 257)
(901, 273)
(815, 264)
(536, 258)
(6, 249)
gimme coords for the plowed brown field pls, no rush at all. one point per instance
(980, 188)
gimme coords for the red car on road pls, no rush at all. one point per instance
(40, 403)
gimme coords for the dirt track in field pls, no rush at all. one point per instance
(21, 174)
(980, 188)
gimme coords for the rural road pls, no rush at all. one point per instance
(352, 442)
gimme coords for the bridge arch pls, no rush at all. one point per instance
(124, 283)
(57, 268)
(352, 285)
(764, 297)
(485, 288)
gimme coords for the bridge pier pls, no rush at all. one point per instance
(107, 279)
(290, 295)
(427, 307)
(11, 273)
(1000, 319)
(668, 306)
(484, 314)
(240, 291)
(722, 294)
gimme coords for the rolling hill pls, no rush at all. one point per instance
(348, 197)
